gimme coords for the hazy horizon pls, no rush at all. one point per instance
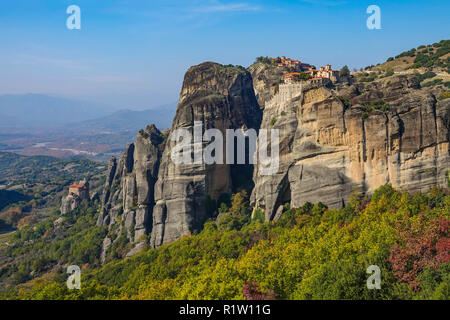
(133, 54)
(99, 101)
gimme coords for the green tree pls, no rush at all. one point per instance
(344, 72)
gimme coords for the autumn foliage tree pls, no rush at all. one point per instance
(426, 245)
(251, 291)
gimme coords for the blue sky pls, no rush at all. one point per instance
(134, 53)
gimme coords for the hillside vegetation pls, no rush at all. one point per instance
(430, 64)
(434, 56)
(311, 253)
(31, 187)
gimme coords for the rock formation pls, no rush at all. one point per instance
(335, 141)
(77, 194)
(219, 97)
(69, 203)
(128, 196)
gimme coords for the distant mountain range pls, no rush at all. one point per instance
(42, 125)
(37, 110)
(130, 120)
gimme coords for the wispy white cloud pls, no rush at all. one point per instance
(231, 7)
(174, 8)
(325, 2)
(193, 9)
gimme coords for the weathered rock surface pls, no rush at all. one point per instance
(128, 196)
(105, 246)
(329, 148)
(332, 142)
(137, 249)
(219, 97)
(95, 197)
(69, 203)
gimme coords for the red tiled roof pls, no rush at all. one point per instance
(291, 74)
(77, 186)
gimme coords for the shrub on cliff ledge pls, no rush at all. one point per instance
(263, 60)
(374, 105)
(444, 95)
(237, 216)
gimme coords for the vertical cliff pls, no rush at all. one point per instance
(128, 196)
(220, 97)
(356, 138)
(333, 140)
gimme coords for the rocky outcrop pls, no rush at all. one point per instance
(219, 97)
(128, 196)
(69, 203)
(77, 194)
(356, 138)
(95, 197)
(105, 247)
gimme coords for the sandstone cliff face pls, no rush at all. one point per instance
(128, 196)
(219, 97)
(328, 148)
(332, 141)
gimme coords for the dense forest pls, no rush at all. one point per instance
(312, 252)
(31, 187)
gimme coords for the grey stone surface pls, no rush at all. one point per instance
(128, 192)
(222, 98)
(72, 200)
